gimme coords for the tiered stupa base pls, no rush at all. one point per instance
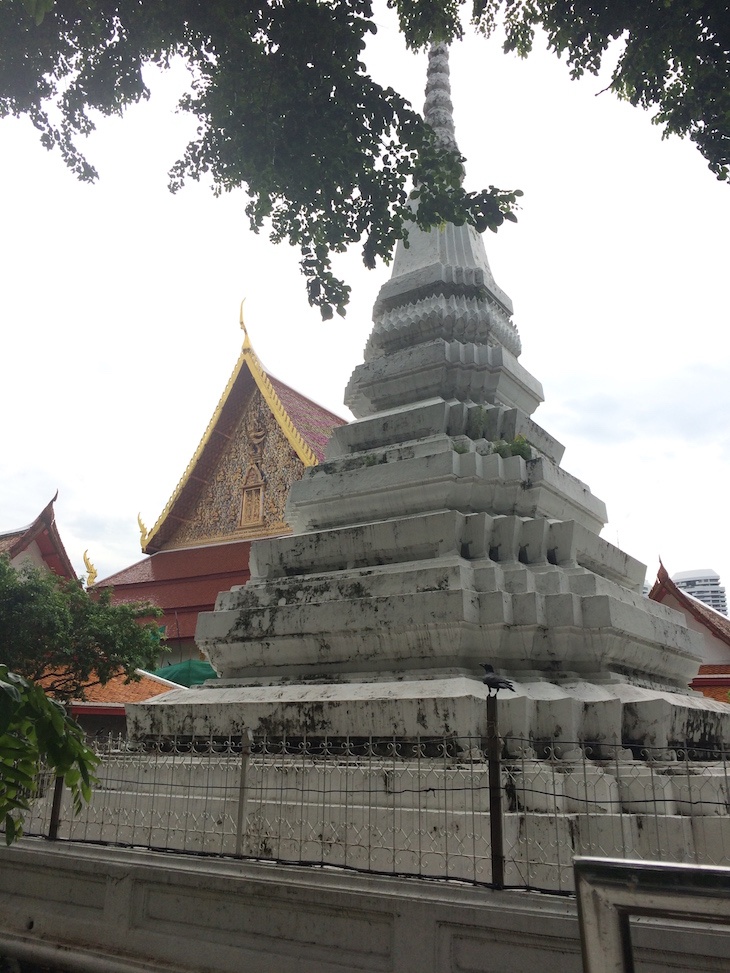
(379, 628)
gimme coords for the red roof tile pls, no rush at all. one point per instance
(314, 422)
(7, 541)
(182, 582)
(720, 693)
(116, 691)
(182, 563)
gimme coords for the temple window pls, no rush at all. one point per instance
(252, 501)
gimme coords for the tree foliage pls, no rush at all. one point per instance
(287, 109)
(36, 731)
(285, 105)
(53, 632)
(674, 56)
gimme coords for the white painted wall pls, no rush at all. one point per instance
(31, 555)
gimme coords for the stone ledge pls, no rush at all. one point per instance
(451, 704)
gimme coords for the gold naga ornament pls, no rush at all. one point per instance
(92, 573)
(144, 534)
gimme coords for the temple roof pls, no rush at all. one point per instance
(305, 424)
(718, 624)
(181, 564)
(118, 690)
(183, 581)
(44, 532)
(112, 697)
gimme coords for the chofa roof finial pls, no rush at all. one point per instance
(246, 340)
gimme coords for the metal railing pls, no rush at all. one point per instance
(421, 807)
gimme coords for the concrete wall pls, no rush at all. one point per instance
(118, 911)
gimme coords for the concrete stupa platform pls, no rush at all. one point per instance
(442, 532)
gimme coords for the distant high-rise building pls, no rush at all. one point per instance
(703, 585)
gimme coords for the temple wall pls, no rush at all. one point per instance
(30, 556)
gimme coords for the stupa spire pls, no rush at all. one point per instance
(442, 289)
(438, 111)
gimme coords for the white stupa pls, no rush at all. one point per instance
(442, 532)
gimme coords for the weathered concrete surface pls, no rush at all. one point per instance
(606, 715)
(369, 475)
(438, 612)
(119, 911)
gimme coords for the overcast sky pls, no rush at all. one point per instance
(120, 306)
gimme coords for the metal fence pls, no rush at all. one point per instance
(421, 807)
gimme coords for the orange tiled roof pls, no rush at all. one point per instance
(116, 691)
(713, 681)
(715, 669)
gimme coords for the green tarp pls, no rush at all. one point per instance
(189, 673)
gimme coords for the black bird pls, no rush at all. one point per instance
(493, 681)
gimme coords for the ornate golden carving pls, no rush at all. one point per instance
(217, 510)
(252, 500)
(258, 437)
(265, 387)
(144, 533)
(92, 573)
(256, 532)
(252, 506)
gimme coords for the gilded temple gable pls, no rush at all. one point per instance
(261, 437)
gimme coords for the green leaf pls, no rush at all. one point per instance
(8, 706)
(11, 830)
(13, 775)
(38, 9)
